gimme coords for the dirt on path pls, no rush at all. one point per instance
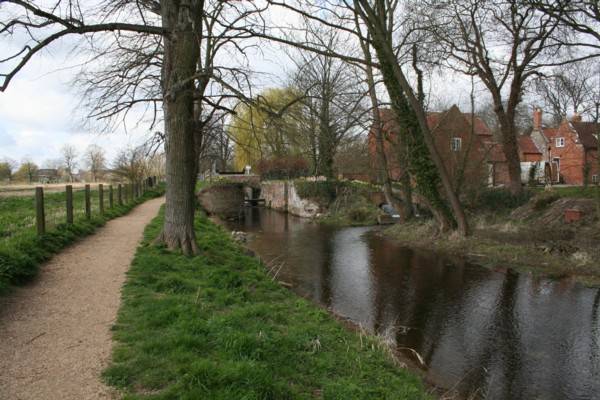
(55, 337)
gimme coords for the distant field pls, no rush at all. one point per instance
(29, 190)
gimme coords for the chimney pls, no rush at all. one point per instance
(537, 119)
(576, 117)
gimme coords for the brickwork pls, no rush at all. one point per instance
(468, 153)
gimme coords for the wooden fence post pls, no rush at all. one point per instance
(101, 198)
(88, 206)
(120, 194)
(69, 191)
(110, 196)
(39, 210)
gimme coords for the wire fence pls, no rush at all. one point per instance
(45, 211)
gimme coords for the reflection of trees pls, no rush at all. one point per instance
(326, 255)
(595, 337)
(502, 345)
(414, 291)
(388, 268)
(503, 333)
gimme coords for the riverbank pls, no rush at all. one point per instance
(533, 237)
(217, 326)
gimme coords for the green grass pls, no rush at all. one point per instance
(17, 213)
(22, 250)
(589, 192)
(215, 326)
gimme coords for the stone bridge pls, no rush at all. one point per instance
(251, 180)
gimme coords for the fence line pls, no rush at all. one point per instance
(126, 193)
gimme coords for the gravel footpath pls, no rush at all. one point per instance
(55, 337)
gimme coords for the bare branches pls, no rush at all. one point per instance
(42, 27)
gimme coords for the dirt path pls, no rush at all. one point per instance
(55, 335)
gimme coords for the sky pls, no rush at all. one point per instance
(40, 112)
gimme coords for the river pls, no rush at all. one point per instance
(498, 333)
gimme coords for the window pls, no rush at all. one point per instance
(594, 178)
(456, 144)
(560, 142)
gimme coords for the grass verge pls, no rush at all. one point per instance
(508, 244)
(21, 255)
(215, 326)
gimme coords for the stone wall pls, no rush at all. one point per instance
(223, 200)
(282, 196)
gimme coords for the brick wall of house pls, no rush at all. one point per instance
(570, 156)
(471, 155)
(445, 126)
(527, 157)
(500, 174)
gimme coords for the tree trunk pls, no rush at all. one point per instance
(180, 61)
(511, 152)
(406, 208)
(425, 163)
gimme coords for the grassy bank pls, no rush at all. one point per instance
(527, 235)
(215, 326)
(22, 250)
(348, 203)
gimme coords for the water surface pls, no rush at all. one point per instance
(502, 334)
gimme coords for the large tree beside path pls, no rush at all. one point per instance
(190, 33)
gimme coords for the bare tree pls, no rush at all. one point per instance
(216, 147)
(131, 164)
(187, 36)
(69, 160)
(571, 88)
(504, 43)
(27, 170)
(382, 20)
(405, 208)
(7, 169)
(582, 17)
(95, 160)
(334, 101)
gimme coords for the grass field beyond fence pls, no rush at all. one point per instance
(22, 249)
(217, 327)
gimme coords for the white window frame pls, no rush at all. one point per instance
(594, 178)
(456, 144)
(559, 142)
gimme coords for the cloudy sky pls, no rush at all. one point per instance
(40, 112)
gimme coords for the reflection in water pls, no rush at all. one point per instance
(507, 335)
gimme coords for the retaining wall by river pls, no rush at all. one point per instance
(283, 196)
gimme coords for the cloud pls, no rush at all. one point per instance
(6, 139)
(39, 112)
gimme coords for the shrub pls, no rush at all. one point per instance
(289, 167)
(325, 192)
(533, 171)
(543, 200)
(498, 200)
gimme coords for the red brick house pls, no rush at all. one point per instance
(570, 150)
(460, 147)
